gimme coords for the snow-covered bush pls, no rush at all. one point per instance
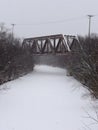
(14, 60)
(83, 63)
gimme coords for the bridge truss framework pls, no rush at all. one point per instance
(53, 44)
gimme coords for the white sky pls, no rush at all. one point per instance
(36, 17)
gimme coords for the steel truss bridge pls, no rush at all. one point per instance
(53, 44)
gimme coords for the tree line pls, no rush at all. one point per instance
(14, 60)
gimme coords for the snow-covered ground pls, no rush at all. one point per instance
(46, 99)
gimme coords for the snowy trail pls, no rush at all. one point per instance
(45, 99)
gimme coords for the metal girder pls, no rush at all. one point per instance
(52, 44)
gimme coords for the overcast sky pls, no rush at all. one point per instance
(45, 17)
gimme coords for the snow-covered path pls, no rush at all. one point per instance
(45, 99)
